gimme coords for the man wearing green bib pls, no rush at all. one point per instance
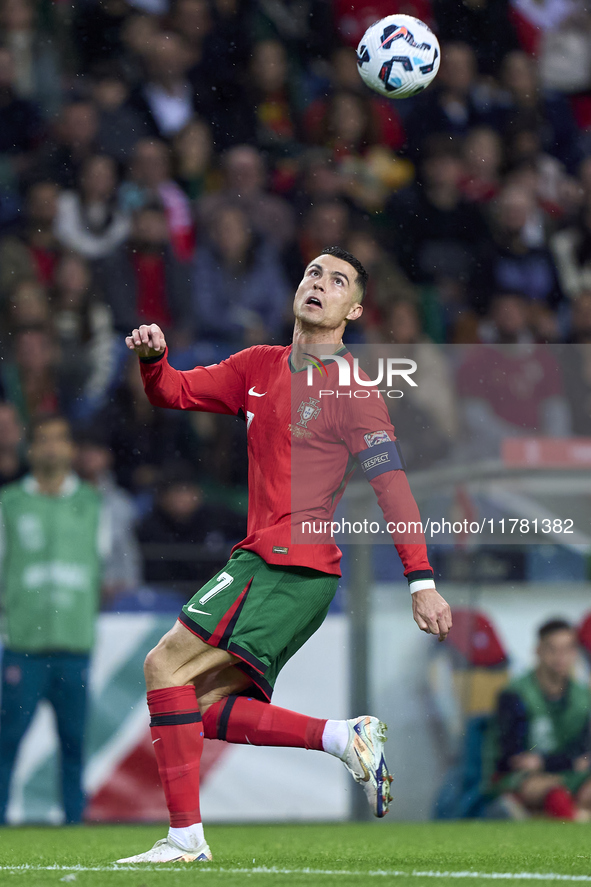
(52, 538)
(540, 748)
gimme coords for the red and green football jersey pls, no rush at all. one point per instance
(302, 447)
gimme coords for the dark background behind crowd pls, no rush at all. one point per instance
(180, 161)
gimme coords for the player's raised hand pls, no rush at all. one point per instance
(147, 341)
(431, 612)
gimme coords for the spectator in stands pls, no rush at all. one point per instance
(245, 184)
(540, 744)
(367, 169)
(68, 368)
(240, 292)
(27, 306)
(517, 259)
(151, 182)
(318, 180)
(546, 325)
(89, 219)
(485, 26)
(437, 235)
(32, 249)
(191, 20)
(328, 221)
(120, 125)
(482, 153)
(305, 27)
(525, 104)
(94, 464)
(429, 413)
(450, 105)
(387, 285)
(196, 533)
(557, 194)
(385, 120)
(513, 392)
(218, 39)
(36, 61)
(274, 95)
(536, 25)
(166, 100)
(12, 465)
(55, 538)
(84, 329)
(564, 47)
(20, 123)
(136, 35)
(143, 280)
(31, 380)
(508, 321)
(75, 134)
(141, 437)
(193, 159)
(571, 249)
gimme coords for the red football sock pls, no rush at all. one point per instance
(177, 740)
(245, 721)
(559, 803)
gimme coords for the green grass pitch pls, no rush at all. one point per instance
(409, 855)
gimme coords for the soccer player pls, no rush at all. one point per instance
(539, 747)
(213, 673)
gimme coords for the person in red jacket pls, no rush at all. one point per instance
(213, 673)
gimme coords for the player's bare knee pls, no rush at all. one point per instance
(152, 668)
(158, 670)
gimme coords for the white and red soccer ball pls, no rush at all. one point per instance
(398, 56)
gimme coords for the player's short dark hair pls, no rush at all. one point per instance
(339, 253)
(553, 626)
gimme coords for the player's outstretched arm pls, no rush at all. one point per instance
(431, 612)
(147, 341)
(214, 389)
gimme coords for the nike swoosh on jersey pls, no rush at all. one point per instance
(254, 393)
(194, 610)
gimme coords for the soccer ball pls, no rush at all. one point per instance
(398, 56)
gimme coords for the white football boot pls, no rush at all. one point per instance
(165, 850)
(364, 759)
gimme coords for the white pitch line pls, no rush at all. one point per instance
(264, 870)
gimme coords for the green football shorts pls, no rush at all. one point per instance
(262, 613)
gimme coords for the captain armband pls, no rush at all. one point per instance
(378, 460)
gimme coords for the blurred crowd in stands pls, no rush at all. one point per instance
(180, 161)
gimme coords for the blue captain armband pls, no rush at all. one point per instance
(378, 460)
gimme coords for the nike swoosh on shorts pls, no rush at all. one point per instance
(193, 610)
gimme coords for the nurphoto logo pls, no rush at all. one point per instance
(388, 370)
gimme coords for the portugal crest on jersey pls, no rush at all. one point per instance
(308, 411)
